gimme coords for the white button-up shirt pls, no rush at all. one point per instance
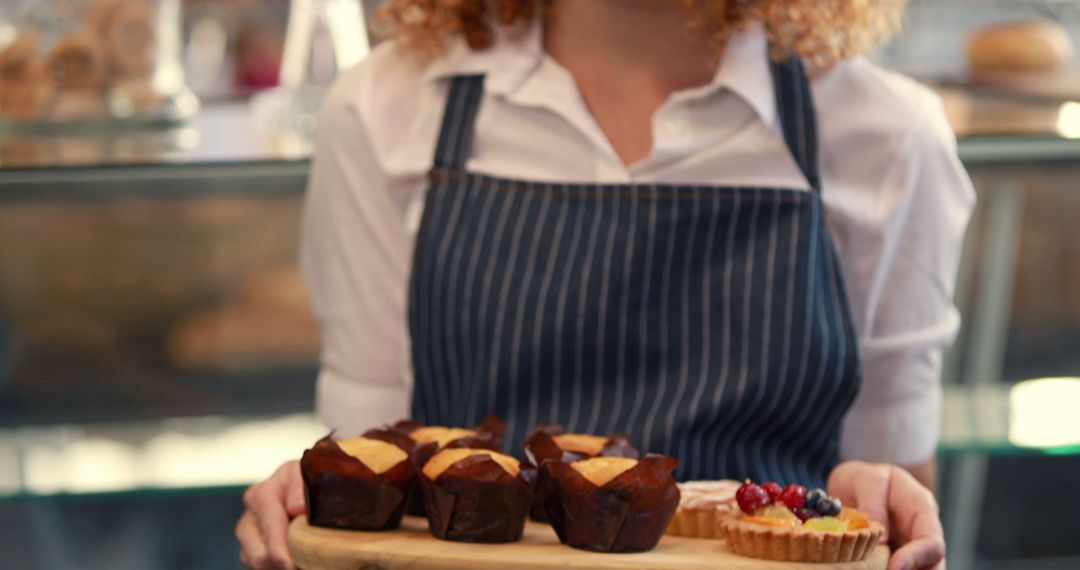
(897, 201)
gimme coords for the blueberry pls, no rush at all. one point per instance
(814, 496)
(829, 506)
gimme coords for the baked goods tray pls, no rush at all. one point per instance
(412, 547)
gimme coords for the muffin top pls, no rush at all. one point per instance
(379, 456)
(439, 434)
(601, 470)
(447, 457)
(581, 443)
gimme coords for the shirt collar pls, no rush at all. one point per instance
(746, 71)
(520, 52)
(743, 70)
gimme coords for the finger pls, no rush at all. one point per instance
(253, 553)
(918, 528)
(295, 501)
(266, 503)
(923, 553)
(865, 487)
(915, 511)
(872, 493)
(273, 525)
(843, 479)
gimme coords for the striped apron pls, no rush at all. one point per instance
(708, 323)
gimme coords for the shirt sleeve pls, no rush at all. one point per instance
(905, 278)
(355, 251)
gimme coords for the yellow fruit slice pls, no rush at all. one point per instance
(772, 521)
(855, 519)
(776, 512)
(827, 524)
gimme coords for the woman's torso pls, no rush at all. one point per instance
(532, 126)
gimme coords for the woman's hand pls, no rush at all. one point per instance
(268, 508)
(893, 497)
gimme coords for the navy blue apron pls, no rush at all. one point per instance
(708, 323)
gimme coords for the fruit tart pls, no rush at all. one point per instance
(550, 442)
(703, 508)
(792, 525)
(610, 504)
(475, 495)
(358, 483)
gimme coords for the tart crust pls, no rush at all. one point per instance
(703, 508)
(702, 520)
(800, 545)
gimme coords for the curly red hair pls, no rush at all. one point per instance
(822, 31)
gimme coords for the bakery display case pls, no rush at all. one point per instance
(156, 346)
(139, 287)
(91, 63)
(162, 304)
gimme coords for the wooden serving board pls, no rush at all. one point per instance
(412, 547)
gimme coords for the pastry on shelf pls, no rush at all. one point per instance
(791, 524)
(19, 53)
(26, 86)
(26, 93)
(358, 483)
(703, 508)
(475, 495)
(128, 33)
(76, 63)
(269, 325)
(610, 504)
(550, 442)
(239, 338)
(1030, 46)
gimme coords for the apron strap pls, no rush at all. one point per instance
(459, 119)
(795, 105)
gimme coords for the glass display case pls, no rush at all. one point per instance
(155, 341)
(155, 289)
(156, 345)
(99, 63)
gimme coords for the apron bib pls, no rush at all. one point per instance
(708, 323)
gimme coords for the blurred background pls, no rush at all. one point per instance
(156, 350)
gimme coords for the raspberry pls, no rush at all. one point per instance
(793, 496)
(773, 489)
(751, 497)
(806, 514)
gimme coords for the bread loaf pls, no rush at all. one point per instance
(1019, 47)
